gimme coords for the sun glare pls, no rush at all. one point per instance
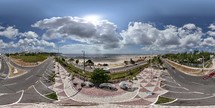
(92, 18)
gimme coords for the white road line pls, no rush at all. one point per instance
(42, 94)
(19, 98)
(198, 92)
(197, 83)
(9, 84)
(29, 77)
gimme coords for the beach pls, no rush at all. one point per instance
(113, 61)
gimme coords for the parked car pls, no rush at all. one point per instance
(124, 85)
(88, 84)
(108, 86)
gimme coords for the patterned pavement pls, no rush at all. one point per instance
(148, 84)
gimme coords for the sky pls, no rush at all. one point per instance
(107, 26)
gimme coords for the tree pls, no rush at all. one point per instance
(77, 61)
(132, 61)
(71, 59)
(89, 63)
(99, 76)
(126, 63)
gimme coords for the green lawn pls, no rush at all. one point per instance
(113, 76)
(31, 58)
(52, 96)
(162, 100)
(128, 74)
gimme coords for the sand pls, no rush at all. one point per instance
(115, 61)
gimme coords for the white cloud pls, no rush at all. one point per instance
(77, 48)
(210, 41)
(102, 33)
(26, 40)
(212, 27)
(171, 37)
(2, 44)
(29, 35)
(9, 32)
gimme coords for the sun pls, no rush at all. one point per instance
(92, 18)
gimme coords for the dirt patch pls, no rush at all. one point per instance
(24, 64)
(15, 72)
(189, 70)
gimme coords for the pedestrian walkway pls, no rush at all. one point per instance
(147, 91)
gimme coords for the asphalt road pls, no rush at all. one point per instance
(4, 71)
(189, 90)
(29, 84)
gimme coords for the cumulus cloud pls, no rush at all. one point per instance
(212, 30)
(29, 35)
(171, 37)
(22, 41)
(9, 32)
(2, 44)
(101, 32)
(210, 41)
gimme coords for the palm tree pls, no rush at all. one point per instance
(77, 61)
(89, 63)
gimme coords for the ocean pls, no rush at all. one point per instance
(102, 57)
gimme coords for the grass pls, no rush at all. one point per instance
(113, 76)
(52, 96)
(72, 69)
(31, 58)
(128, 74)
(162, 100)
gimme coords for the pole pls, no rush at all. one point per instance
(84, 59)
(203, 62)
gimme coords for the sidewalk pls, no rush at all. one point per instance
(146, 84)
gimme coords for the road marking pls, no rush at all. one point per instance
(198, 92)
(19, 98)
(9, 84)
(29, 77)
(42, 94)
(197, 83)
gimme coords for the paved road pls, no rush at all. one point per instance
(4, 71)
(189, 90)
(24, 82)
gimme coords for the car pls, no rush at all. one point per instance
(124, 85)
(108, 86)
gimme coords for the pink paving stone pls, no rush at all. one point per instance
(135, 102)
(144, 90)
(60, 87)
(101, 92)
(70, 102)
(62, 93)
(144, 81)
(59, 81)
(153, 80)
(148, 77)
(137, 96)
(149, 85)
(156, 89)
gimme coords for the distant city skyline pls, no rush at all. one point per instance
(118, 27)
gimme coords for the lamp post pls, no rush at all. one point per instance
(84, 59)
(203, 62)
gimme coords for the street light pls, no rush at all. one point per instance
(84, 59)
(203, 62)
